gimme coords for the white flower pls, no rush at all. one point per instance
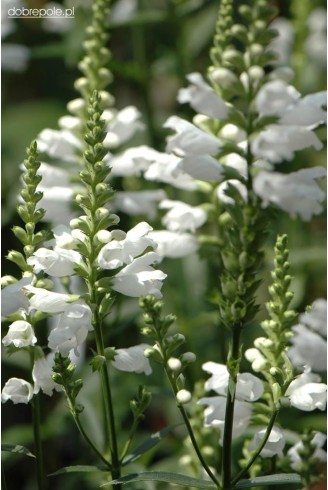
(305, 393)
(59, 262)
(181, 216)
(41, 374)
(57, 201)
(282, 44)
(318, 440)
(13, 298)
(172, 244)
(139, 278)
(72, 329)
(132, 359)
(274, 445)
(168, 169)
(21, 334)
(249, 387)
(239, 186)
(59, 144)
(203, 167)
(215, 415)
(277, 143)
(133, 161)
(119, 252)
(47, 301)
(138, 202)
(123, 127)
(190, 140)
(296, 193)
(17, 390)
(202, 97)
(277, 98)
(316, 318)
(308, 348)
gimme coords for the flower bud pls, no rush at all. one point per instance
(256, 72)
(76, 107)
(7, 280)
(223, 77)
(103, 236)
(183, 396)
(174, 364)
(188, 357)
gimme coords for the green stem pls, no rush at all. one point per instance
(109, 412)
(258, 449)
(37, 441)
(129, 441)
(230, 406)
(87, 439)
(186, 419)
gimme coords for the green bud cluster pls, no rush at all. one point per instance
(242, 229)
(93, 65)
(157, 329)
(273, 347)
(239, 51)
(63, 375)
(140, 403)
(309, 467)
(29, 211)
(97, 217)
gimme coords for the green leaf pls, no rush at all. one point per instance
(149, 444)
(11, 448)
(166, 477)
(79, 469)
(263, 481)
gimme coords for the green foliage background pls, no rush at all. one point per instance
(152, 52)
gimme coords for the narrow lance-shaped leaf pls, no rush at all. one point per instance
(79, 469)
(11, 448)
(149, 444)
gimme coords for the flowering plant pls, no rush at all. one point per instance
(84, 259)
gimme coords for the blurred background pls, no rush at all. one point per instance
(154, 43)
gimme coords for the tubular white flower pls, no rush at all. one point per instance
(174, 245)
(249, 387)
(138, 202)
(131, 162)
(316, 318)
(296, 193)
(132, 359)
(123, 127)
(203, 167)
(41, 374)
(306, 393)
(308, 348)
(293, 453)
(278, 143)
(202, 97)
(274, 445)
(139, 278)
(20, 334)
(190, 140)
(215, 415)
(119, 252)
(17, 390)
(168, 169)
(13, 298)
(59, 262)
(72, 329)
(277, 98)
(47, 301)
(181, 216)
(59, 144)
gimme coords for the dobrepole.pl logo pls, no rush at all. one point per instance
(55, 13)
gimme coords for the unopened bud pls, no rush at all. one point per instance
(183, 396)
(103, 236)
(256, 72)
(188, 357)
(174, 364)
(223, 77)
